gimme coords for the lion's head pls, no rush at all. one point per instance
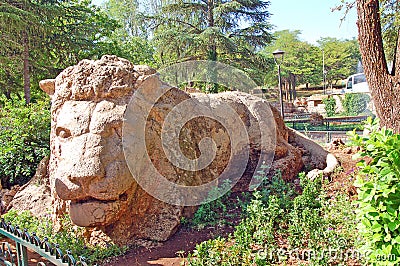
(87, 164)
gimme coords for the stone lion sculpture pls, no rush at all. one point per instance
(88, 173)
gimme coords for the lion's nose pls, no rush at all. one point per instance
(80, 168)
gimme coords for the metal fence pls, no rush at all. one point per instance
(24, 240)
(327, 128)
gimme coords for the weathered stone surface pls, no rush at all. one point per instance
(35, 195)
(88, 174)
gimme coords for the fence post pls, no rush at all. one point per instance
(328, 136)
(22, 254)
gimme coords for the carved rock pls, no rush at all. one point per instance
(88, 175)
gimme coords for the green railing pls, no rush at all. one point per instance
(24, 240)
(347, 123)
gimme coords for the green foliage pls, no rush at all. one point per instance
(26, 221)
(130, 39)
(341, 58)
(136, 49)
(50, 35)
(303, 62)
(390, 18)
(210, 213)
(277, 213)
(379, 193)
(355, 103)
(70, 237)
(24, 134)
(224, 31)
(126, 12)
(300, 60)
(330, 106)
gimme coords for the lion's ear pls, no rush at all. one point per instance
(48, 86)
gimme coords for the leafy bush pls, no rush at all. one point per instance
(24, 138)
(379, 194)
(277, 213)
(330, 106)
(209, 213)
(355, 103)
(70, 237)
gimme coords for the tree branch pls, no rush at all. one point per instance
(396, 59)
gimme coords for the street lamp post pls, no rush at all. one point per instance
(278, 58)
(323, 71)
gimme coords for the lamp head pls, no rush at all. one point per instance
(278, 56)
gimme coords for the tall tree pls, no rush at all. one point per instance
(20, 28)
(131, 20)
(223, 30)
(341, 58)
(131, 39)
(384, 83)
(45, 36)
(301, 63)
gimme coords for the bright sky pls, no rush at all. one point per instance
(312, 17)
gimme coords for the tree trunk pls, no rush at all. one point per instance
(290, 81)
(294, 88)
(7, 93)
(384, 86)
(287, 87)
(212, 47)
(26, 74)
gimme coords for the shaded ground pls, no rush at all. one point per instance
(167, 253)
(171, 252)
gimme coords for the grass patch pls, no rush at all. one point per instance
(281, 225)
(70, 237)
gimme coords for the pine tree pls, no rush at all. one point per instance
(218, 30)
(43, 37)
(20, 23)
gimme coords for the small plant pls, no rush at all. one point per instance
(275, 214)
(70, 237)
(330, 106)
(209, 213)
(379, 193)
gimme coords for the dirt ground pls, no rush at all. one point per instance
(171, 252)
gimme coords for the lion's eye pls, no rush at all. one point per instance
(63, 133)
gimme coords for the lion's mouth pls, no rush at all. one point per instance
(123, 197)
(90, 211)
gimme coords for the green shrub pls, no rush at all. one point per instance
(277, 213)
(210, 212)
(378, 186)
(70, 237)
(24, 138)
(355, 103)
(330, 106)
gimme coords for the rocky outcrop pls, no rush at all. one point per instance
(35, 195)
(88, 172)
(316, 157)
